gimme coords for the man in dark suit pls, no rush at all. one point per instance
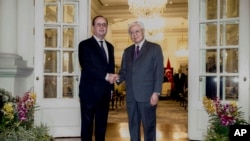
(96, 57)
(179, 81)
(142, 71)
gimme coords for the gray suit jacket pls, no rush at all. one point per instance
(144, 75)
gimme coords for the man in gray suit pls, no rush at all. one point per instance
(142, 70)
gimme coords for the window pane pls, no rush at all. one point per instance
(50, 61)
(229, 33)
(231, 88)
(68, 86)
(208, 86)
(229, 8)
(51, 12)
(68, 61)
(208, 9)
(68, 38)
(229, 60)
(50, 85)
(50, 38)
(209, 34)
(211, 61)
(69, 13)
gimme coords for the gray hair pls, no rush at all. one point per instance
(136, 23)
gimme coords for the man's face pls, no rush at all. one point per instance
(136, 34)
(100, 27)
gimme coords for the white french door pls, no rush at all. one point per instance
(60, 26)
(219, 57)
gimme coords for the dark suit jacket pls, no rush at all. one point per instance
(179, 82)
(94, 68)
(144, 75)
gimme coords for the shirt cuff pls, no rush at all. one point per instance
(157, 93)
(107, 75)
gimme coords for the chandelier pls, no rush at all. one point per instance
(147, 8)
(153, 30)
(182, 51)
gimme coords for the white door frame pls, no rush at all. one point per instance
(197, 116)
(61, 115)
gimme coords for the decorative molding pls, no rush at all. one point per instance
(13, 65)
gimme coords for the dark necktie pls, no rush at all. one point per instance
(103, 51)
(136, 52)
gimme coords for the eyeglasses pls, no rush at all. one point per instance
(101, 24)
(135, 32)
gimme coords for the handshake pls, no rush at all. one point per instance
(112, 78)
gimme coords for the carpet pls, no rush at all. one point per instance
(168, 112)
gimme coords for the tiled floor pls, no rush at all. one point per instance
(119, 132)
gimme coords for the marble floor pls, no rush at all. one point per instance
(119, 132)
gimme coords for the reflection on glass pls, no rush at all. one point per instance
(68, 37)
(50, 37)
(229, 60)
(211, 35)
(229, 34)
(229, 8)
(68, 85)
(50, 61)
(230, 87)
(211, 61)
(211, 9)
(50, 87)
(68, 13)
(211, 86)
(51, 12)
(68, 60)
(208, 86)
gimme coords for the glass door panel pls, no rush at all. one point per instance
(68, 86)
(50, 85)
(229, 33)
(209, 57)
(50, 37)
(68, 61)
(69, 13)
(50, 62)
(209, 34)
(229, 60)
(60, 48)
(229, 8)
(208, 9)
(229, 87)
(69, 35)
(219, 45)
(51, 12)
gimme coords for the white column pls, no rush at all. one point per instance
(8, 26)
(11, 63)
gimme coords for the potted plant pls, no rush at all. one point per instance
(221, 116)
(17, 118)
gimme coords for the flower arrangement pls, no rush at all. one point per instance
(221, 117)
(17, 118)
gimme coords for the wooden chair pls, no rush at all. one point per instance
(166, 88)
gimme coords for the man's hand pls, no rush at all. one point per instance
(154, 99)
(111, 78)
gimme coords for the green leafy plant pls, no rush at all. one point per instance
(221, 116)
(17, 118)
